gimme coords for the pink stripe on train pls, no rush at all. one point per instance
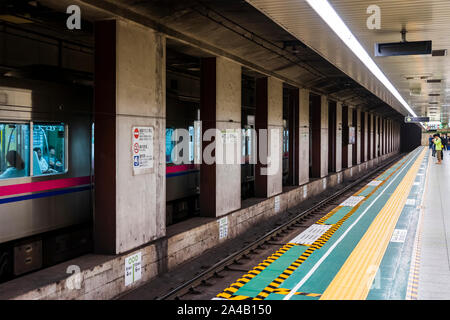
(43, 185)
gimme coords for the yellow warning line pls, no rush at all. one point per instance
(354, 279)
(413, 280)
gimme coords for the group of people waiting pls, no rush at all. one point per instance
(438, 144)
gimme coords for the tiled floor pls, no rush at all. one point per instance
(434, 275)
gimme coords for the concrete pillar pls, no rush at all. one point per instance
(365, 137)
(324, 136)
(392, 135)
(220, 182)
(269, 115)
(377, 136)
(130, 206)
(371, 136)
(350, 146)
(303, 151)
(385, 135)
(358, 136)
(339, 136)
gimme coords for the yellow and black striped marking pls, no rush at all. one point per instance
(413, 281)
(229, 292)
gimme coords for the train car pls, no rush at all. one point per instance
(182, 180)
(46, 173)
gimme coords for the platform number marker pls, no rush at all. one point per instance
(277, 203)
(399, 235)
(133, 268)
(223, 227)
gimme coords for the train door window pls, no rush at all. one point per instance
(191, 144)
(14, 150)
(49, 149)
(169, 144)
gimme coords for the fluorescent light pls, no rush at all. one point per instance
(329, 15)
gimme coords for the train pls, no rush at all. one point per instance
(46, 174)
(47, 166)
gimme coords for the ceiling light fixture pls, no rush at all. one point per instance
(330, 17)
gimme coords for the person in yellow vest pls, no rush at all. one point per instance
(438, 144)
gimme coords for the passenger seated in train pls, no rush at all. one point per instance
(16, 166)
(53, 161)
(43, 164)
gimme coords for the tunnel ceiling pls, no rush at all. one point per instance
(231, 28)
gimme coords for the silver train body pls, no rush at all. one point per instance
(35, 207)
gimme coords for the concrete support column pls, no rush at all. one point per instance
(303, 150)
(338, 136)
(377, 136)
(385, 137)
(358, 136)
(130, 206)
(269, 115)
(324, 136)
(392, 136)
(371, 136)
(350, 146)
(365, 137)
(220, 108)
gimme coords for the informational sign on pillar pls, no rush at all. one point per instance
(133, 268)
(142, 150)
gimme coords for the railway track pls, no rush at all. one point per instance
(229, 266)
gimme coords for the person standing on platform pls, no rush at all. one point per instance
(438, 147)
(444, 141)
(430, 142)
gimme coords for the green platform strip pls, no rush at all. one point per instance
(391, 280)
(321, 278)
(269, 290)
(244, 288)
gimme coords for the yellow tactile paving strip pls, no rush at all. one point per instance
(354, 279)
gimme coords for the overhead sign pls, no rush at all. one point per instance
(416, 119)
(142, 150)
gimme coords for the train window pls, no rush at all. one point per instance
(48, 149)
(14, 150)
(191, 143)
(169, 144)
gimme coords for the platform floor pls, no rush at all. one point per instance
(434, 267)
(388, 241)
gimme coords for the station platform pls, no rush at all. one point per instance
(388, 241)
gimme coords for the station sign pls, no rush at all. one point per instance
(416, 119)
(142, 149)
